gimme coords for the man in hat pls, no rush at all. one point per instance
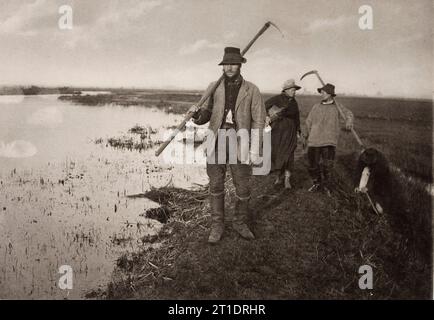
(235, 105)
(322, 137)
(284, 119)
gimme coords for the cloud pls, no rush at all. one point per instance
(267, 57)
(141, 8)
(93, 23)
(406, 40)
(230, 35)
(17, 149)
(198, 46)
(118, 20)
(323, 24)
(27, 19)
(120, 14)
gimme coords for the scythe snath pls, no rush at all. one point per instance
(315, 72)
(205, 97)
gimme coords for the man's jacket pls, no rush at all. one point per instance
(323, 124)
(249, 111)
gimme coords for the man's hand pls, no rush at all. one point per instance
(348, 126)
(193, 111)
(303, 140)
(255, 159)
(361, 190)
(267, 121)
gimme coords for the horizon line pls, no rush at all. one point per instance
(171, 88)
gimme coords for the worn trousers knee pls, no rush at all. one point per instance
(314, 157)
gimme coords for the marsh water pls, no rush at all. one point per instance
(66, 200)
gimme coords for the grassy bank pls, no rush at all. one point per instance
(307, 246)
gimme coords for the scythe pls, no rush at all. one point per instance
(205, 97)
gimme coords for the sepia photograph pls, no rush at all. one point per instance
(220, 150)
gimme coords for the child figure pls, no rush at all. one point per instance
(322, 137)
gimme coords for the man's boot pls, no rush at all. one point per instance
(315, 174)
(217, 204)
(240, 219)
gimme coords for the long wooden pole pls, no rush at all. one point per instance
(359, 141)
(205, 97)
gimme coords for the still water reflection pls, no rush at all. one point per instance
(64, 199)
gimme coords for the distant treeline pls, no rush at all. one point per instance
(179, 102)
(35, 90)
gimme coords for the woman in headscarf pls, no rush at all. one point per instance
(284, 119)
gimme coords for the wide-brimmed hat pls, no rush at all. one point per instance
(288, 84)
(329, 88)
(232, 56)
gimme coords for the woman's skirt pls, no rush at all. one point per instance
(283, 144)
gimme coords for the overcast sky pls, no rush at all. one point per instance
(178, 44)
